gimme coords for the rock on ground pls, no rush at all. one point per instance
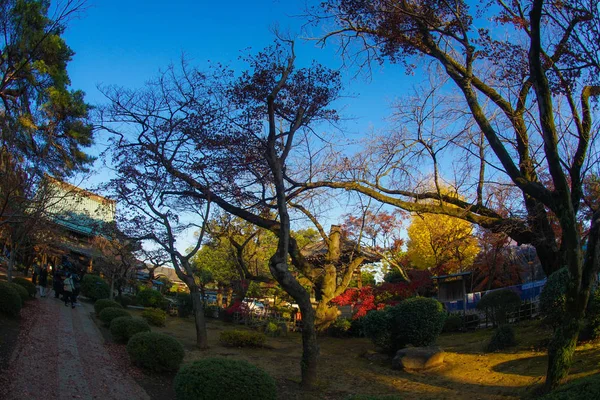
(418, 358)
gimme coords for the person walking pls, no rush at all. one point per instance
(36, 272)
(57, 282)
(43, 281)
(69, 290)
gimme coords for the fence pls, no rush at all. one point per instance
(477, 319)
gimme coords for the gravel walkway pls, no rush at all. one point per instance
(62, 356)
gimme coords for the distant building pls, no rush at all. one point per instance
(78, 215)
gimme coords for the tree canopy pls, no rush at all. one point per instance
(44, 123)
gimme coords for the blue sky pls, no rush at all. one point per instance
(126, 42)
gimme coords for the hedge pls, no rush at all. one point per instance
(221, 378)
(27, 284)
(94, 287)
(101, 304)
(238, 338)
(155, 351)
(10, 300)
(503, 338)
(377, 326)
(417, 321)
(498, 304)
(150, 298)
(123, 328)
(23, 293)
(155, 317)
(110, 313)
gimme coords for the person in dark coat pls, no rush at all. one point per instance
(57, 282)
(43, 281)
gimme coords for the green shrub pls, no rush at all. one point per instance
(591, 329)
(155, 317)
(126, 300)
(101, 304)
(384, 397)
(554, 297)
(238, 338)
(503, 338)
(221, 378)
(356, 327)
(417, 321)
(94, 287)
(155, 351)
(377, 326)
(340, 328)
(150, 298)
(272, 329)
(123, 328)
(27, 284)
(454, 323)
(498, 304)
(185, 306)
(23, 293)
(579, 389)
(10, 300)
(110, 313)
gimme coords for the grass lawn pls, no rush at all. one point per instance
(351, 366)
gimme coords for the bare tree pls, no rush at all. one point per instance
(528, 93)
(228, 140)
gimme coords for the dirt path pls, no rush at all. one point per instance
(62, 356)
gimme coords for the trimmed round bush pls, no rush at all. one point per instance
(10, 300)
(554, 297)
(155, 317)
(110, 313)
(123, 328)
(503, 338)
(454, 323)
(155, 351)
(417, 321)
(377, 326)
(239, 338)
(101, 304)
(94, 287)
(150, 298)
(221, 378)
(498, 304)
(21, 291)
(27, 284)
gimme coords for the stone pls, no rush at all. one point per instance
(418, 358)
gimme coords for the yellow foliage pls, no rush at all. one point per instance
(437, 240)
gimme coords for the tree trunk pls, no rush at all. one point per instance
(560, 352)
(325, 315)
(199, 319)
(310, 347)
